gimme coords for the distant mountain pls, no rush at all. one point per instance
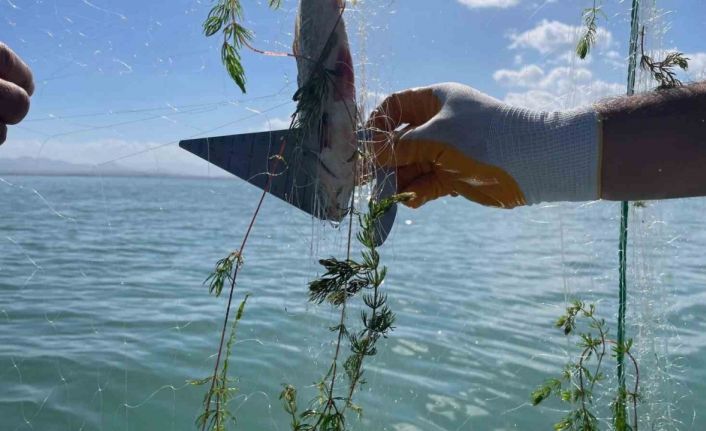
(43, 166)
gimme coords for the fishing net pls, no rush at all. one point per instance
(104, 314)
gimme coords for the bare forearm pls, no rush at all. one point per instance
(654, 145)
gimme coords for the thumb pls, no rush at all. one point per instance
(414, 107)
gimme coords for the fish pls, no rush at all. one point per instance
(322, 51)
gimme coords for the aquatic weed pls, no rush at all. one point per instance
(577, 384)
(342, 281)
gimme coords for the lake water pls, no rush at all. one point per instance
(103, 315)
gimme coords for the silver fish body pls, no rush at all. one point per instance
(321, 43)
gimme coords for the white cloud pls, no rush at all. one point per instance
(275, 124)
(564, 79)
(614, 55)
(548, 100)
(615, 59)
(569, 57)
(551, 36)
(475, 4)
(558, 88)
(533, 76)
(697, 66)
(560, 80)
(523, 77)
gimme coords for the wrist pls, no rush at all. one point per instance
(553, 156)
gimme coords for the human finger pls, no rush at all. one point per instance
(14, 102)
(491, 188)
(428, 187)
(405, 151)
(492, 181)
(414, 107)
(405, 175)
(430, 181)
(425, 189)
(477, 194)
(13, 69)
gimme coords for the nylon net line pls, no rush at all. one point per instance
(650, 321)
(108, 230)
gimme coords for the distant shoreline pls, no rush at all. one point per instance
(114, 175)
(44, 167)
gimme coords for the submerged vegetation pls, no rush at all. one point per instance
(580, 380)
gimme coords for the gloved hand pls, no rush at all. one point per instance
(16, 85)
(459, 141)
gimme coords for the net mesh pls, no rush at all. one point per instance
(104, 316)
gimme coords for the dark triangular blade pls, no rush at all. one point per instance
(251, 156)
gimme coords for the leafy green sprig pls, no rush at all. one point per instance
(216, 415)
(342, 280)
(663, 71)
(223, 272)
(577, 384)
(588, 38)
(378, 320)
(226, 17)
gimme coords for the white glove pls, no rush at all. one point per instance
(462, 142)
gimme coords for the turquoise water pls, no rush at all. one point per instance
(104, 316)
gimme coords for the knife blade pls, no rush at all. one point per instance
(254, 157)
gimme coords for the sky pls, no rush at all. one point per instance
(122, 81)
